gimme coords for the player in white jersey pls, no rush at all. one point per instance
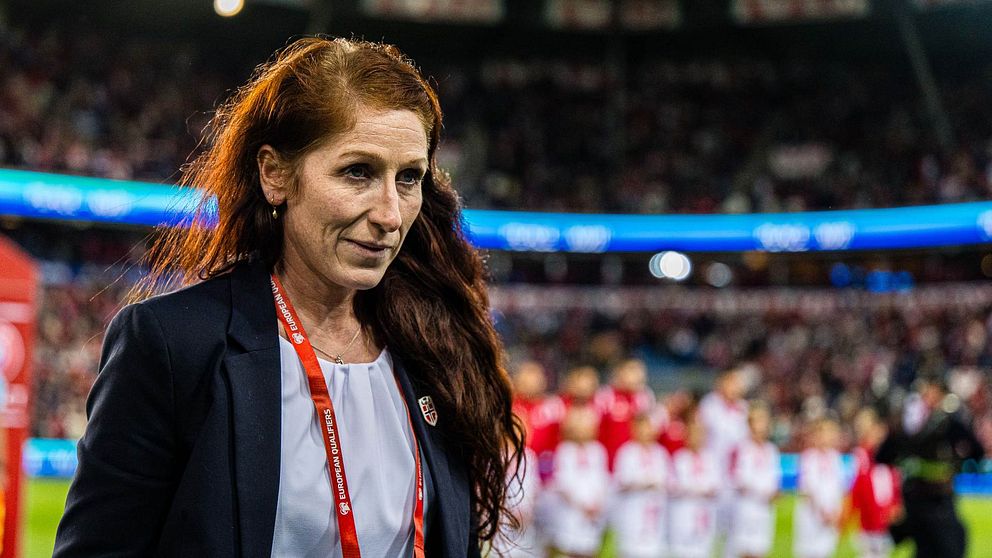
(642, 472)
(822, 488)
(696, 481)
(521, 495)
(723, 413)
(756, 474)
(580, 485)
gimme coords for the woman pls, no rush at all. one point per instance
(329, 382)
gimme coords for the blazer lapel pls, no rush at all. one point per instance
(255, 381)
(451, 497)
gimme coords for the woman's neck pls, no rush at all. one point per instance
(327, 311)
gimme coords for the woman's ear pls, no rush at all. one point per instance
(273, 174)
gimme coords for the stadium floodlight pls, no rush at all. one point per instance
(228, 8)
(670, 265)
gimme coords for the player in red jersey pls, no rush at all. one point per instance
(579, 387)
(530, 403)
(678, 409)
(625, 397)
(875, 494)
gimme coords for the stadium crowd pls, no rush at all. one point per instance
(802, 363)
(723, 134)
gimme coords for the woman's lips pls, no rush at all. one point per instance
(371, 249)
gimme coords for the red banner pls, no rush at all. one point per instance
(18, 292)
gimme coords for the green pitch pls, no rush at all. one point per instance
(44, 501)
(46, 498)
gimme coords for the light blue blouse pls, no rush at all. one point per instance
(378, 456)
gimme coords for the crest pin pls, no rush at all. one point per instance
(427, 408)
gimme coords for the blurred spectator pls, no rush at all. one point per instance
(929, 446)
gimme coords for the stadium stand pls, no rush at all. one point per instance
(699, 135)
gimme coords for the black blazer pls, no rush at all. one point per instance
(181, 453)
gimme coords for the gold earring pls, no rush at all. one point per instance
(275, 214)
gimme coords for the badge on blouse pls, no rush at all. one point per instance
(427, 407)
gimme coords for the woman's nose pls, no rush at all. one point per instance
(385, 212)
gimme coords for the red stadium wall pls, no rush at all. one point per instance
(18, 293)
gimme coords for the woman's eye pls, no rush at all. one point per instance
(357, 171)
(411, 176)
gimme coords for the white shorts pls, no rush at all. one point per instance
(693, 524)
(640, 525)
(875, 545)
(544, 516)
(575, 533)
(754, 528)
(726, 503)
(813, 538)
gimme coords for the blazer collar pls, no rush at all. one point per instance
(252, 365)
(253, 322)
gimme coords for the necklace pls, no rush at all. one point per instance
(337, 356)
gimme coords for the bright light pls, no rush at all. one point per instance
(670, 265)
(719, 275)
(228, 8)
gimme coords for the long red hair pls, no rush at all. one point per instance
(431, 307)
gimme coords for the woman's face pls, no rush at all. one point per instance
(354, 199)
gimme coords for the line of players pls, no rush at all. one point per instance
(611, 457)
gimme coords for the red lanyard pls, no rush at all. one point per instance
(328, 423)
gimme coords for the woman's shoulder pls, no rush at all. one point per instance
(244, 284)
(193, 300)
(192, 316)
